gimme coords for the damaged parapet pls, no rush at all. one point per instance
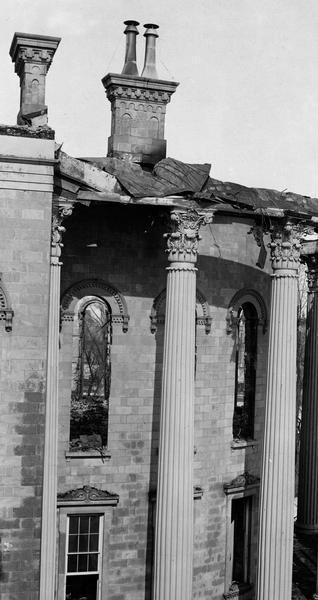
(138, 104)
(32, 55)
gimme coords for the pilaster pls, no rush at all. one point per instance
(174, 520)
(48, 532)
(277, 490)
(307, 511)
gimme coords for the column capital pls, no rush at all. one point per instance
(59, 214)
(285, 245)
(184, 238)
(312, 271)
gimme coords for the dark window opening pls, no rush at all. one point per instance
(245, 372)
(91, 377)
(83, 557)
(241, 523)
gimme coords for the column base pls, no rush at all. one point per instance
(304, 529)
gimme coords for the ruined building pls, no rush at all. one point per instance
(148, 348)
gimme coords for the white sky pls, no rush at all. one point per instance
(248, 95)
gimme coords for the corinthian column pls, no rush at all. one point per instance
(307, 514)
(174, 520)
(49, 494)
(277, 490)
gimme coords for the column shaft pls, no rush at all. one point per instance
(275, 558)
(307, 517)
(48, 535)
(49, 494)
(174, 525)
(174, 511)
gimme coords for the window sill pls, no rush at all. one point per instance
(104, 455)
(240, 444)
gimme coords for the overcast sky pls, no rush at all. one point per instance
(248, 69)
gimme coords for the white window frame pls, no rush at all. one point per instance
(99, 551)
(103, 508)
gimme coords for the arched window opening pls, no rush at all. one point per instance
(245, 371)
(91, 375)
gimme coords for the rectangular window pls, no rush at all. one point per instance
(83, 556)
(241, 529)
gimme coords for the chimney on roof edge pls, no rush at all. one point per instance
(131, 32)
(138, 104)
(150, 34)
(32, 55)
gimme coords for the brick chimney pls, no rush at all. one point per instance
(138, 104)
(32, 55)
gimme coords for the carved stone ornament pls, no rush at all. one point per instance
(258, 232)
(285, 245)
(312, 272)
(242, 296)
(87, 495)
(59, 214)
(132, 93)
(203, 315)
(245, 480)
(183, 241)
(6, 312)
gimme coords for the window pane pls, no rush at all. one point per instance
(93, 542)
(84, 524)
(81, 586)
(73, 524)
(83, 543)
(93, 562)
(94, 524)
(72, 563)
(73, 543)
(83, 562)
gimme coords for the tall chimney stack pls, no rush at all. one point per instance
(150, 34)
(32, 55)
(131, 32)
(138, 104)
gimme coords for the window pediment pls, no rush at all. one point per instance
(87, 495)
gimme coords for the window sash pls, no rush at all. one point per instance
(79, 553)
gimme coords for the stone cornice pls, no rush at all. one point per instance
(138, 88)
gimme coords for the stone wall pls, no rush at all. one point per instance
(25, 210)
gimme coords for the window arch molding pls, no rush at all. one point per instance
(6, 312)
(242, 297)
(99, 289)
(203, 314)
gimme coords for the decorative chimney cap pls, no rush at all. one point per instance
(150, 27)
(131, 26)
(130, 65)
(44, 45)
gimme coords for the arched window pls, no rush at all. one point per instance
(91, 374)
(245, 371)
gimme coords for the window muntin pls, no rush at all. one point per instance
(245, 371)
(91, 375)
(83, 556)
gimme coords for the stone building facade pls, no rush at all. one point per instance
(137, 331)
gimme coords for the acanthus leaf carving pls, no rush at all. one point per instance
(183, 241)
(285, 245)
(60, 212)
